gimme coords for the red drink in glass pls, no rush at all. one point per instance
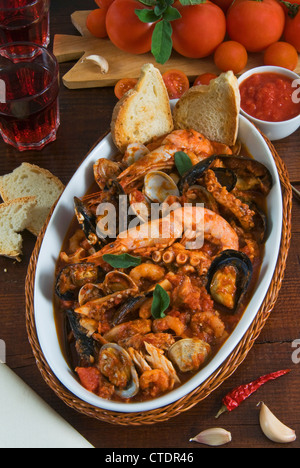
(24, 21)
(29, 113)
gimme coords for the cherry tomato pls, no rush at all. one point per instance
(281, 54)
(255, 24)
(292, 27)
(200, 30)
(223, 4)
(205, 79)
(177, 83)
(124, 85)
(96, 22)
(231, 55)
(125, 29)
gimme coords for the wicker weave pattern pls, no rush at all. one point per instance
(216, 379)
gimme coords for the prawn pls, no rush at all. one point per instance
(163, 158)
(192, 140)
(160, 234)
(207, 326)
(154, 382)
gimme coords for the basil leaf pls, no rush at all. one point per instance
(122, 261)
(183, 162)
(161, 302)
(172, 14)
(147, 16)
(162, 43)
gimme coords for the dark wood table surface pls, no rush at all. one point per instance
(85, 116)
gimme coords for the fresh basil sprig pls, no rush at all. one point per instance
(162, 13)
(161, 302)
(183, 162)
(122, 261)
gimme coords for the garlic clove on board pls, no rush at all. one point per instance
(100, 61)
(214, 437)
(274, 429)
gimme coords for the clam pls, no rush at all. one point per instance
(134, 152)
(189, 354)
(159, 186)
(72, 277)
(229, 277)
(140, 206)
(89, 292)
(117, 366)
(116, 281)
(106, 171)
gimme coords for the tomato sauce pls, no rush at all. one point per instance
(269, 97)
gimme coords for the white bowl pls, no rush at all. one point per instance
(51, 246)
(273, 130)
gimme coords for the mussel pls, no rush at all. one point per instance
(229, 277)
(159, 186)
(241, 172)
(129, 310)
(117, 366)
(72, 277)
(189, 354)
(198, 194)
(85, 345)
(87, 221)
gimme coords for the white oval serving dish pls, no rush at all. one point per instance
(51, 247)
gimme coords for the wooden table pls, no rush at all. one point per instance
(85, 116)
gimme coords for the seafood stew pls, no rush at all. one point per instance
(150, 299)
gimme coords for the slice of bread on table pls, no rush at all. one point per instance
(14, 217)
(144, 112)
(29, 180)
(212, 110)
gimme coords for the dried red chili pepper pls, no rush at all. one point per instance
(233, 399)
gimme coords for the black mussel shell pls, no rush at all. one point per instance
(72, 277)
(192, 176)
(86, 220)
(243, 267)
(245, 167)
(85, 346)
(129, 310)
(226, 177)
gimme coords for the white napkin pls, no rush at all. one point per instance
(26, 421)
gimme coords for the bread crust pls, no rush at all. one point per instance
(211, 110)
(144, 112)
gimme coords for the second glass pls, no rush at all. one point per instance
(25, 21)
(29, 87)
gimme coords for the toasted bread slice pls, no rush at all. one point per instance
(144, 112)
(29, 180)
(212, 110)
(13, 220)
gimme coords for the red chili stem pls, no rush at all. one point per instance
(233, 399)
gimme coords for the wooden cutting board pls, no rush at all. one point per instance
(85, 74)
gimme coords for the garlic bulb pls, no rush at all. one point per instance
(274, 429)
(214, 437)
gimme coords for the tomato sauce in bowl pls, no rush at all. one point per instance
(269, 97)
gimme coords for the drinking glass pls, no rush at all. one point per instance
(29, 88)
(24, 21)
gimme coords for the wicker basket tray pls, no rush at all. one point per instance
(216, 379)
